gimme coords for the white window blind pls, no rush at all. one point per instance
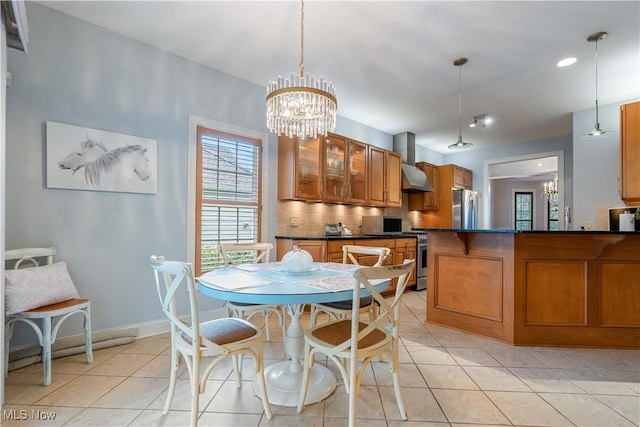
(228, 199)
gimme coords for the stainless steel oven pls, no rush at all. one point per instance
(421, 259)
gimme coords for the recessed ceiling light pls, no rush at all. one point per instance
(566, 62)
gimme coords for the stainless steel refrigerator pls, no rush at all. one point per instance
(465, 208)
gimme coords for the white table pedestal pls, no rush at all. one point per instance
(284, 379)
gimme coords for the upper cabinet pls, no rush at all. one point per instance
(299, 169)
(630, 153)
(345, 167)
(385, 178)
(462, 178)
(428, 200)
(338, 170)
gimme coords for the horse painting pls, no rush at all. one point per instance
(104, 169)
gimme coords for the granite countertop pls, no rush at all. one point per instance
(481, 230)
(353, 237)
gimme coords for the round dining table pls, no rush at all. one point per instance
(268, 283)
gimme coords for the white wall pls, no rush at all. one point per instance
(3, 97)
(596, 164)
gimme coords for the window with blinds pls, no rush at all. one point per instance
(228, 194)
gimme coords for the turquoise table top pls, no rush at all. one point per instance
(268, 283)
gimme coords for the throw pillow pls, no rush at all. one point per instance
(29, 288)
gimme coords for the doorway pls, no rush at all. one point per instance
(505, 176)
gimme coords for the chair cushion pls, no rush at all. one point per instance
(227, 330)
(338, 332)
(346, 305)
(34, 287)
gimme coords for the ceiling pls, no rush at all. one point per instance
(392, 61)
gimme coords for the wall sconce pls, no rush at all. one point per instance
(482, 120)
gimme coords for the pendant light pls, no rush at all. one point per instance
(301, 105)
(460, 143)
(596, 132)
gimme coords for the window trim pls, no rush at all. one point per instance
(192, 164)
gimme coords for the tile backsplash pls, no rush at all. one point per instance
(296, 218)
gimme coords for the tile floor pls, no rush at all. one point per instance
(450, 379)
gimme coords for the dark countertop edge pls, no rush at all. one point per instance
(463, 230)
(354, 237)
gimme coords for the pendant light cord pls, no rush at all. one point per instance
(301, 38)
(460, 103)
(597, 121)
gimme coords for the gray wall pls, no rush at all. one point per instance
(83, 75)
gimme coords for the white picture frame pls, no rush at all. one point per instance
(80, 158)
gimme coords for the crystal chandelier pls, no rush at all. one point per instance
(549, 190)
(301, 105)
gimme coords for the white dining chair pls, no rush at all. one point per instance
(251, 253)
(349, 341)
(43, 297)
(341, 309)
(216, 339)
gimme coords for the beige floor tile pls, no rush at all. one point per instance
(545, 380)
(158, 367)
(473, 357)
(182, 396)
(231, 399)
(595, 382)
(148, 345)
(527, 409)
(627, 406)
(26, 388)
(412, 423)
(104, 417)
(585, 410)
(429, 355)
(343, 421)
(495, 378)
(368, 406)
(466, 406)
(418, 402)
(604, 359)
(154, 418)
(121, 364)
(82, 391)
(418, 339)
(412, 326)
(455, 340)
(132, 393)
(409, 375)
(554, 358)
(292, 421)
(447, 377)
(630, 379)
(515, 358)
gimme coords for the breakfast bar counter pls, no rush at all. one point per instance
(540, 288)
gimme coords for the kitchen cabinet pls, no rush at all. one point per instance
(316, 248)
(385, 175)
(427, 200)
(630, 153)
(462, 178)
(450, 176)
(299, 169)
(345, 168)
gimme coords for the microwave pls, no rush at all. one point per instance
(381, 224)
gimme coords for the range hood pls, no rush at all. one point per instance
(413, 179)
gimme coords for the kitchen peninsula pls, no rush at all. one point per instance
(540, 288)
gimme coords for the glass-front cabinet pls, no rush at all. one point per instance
(300, 171)
(357, 172)
(335, 164)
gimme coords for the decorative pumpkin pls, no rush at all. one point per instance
(297, 260)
